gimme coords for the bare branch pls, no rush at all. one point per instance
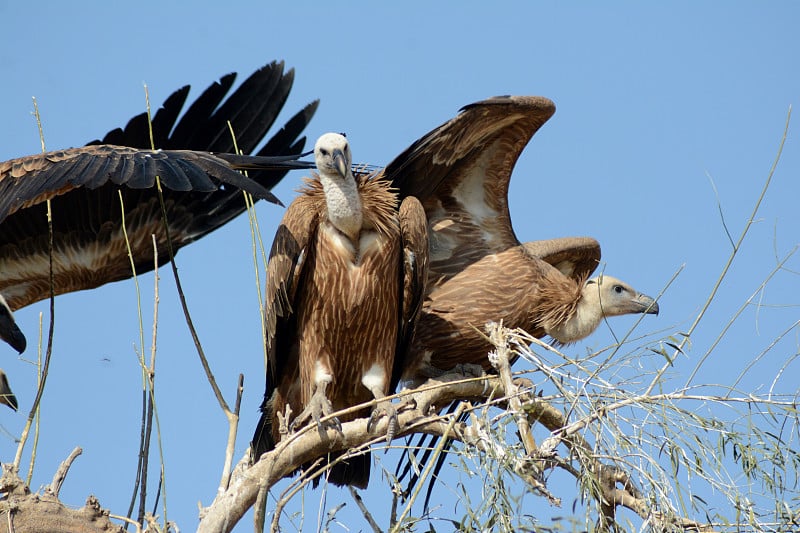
(61, 473)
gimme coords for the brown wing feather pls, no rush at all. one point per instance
(33, 179)
(460, 172)
(576, 257)
(85, 184)
(284, 272)
(414, 235)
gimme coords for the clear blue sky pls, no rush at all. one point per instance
(653, 101)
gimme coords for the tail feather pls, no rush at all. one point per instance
(354, 471)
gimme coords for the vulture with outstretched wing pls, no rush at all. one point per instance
(345, 281)
(478, 270)
(201, 190)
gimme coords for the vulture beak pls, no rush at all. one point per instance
(340, 162)
(645, 304)
(6, 396)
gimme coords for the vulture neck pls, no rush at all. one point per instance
(587, 316)
(344, 204)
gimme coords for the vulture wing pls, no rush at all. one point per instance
(575, 257)
(284, 273)
(201, 191)
(460, 172)
(414, 235)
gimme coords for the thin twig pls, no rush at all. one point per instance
(45, 369)
(731, 257)
(363, 508)
(61, 473)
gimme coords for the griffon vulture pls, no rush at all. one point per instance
(345, 280)
(479, 271)
(201, 190)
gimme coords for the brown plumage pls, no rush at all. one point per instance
(479, 271)
(202, 191)
(345, 280)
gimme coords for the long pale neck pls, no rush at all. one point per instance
(584, 320)
(344, 204)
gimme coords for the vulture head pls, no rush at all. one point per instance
(332, 156)
(601, 297)
(333, 159)
(9, 331)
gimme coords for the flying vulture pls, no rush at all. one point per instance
(201, 191)
(345, 280)
(6, 395)
(479, 271)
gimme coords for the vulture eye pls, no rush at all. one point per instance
(323, 151)
(618, 289)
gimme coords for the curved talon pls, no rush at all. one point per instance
(283, 421)
(318, 407)
(384, 408)
(469, 370)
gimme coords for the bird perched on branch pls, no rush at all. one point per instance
(479, 271)
(94, 188)
(345, 281)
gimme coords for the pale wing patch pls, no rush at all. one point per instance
(472, 195)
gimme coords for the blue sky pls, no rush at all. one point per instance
(654, 103)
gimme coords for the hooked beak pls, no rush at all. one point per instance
(340, 162)
(646, 305)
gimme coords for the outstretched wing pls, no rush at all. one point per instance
(85, 184)
(460, 172)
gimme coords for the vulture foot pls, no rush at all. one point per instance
(469, 370)
(384, 408)
(283, 421)
(318, 407)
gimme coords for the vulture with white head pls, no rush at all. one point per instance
(201, 190)
(345, 281)
(478, 270)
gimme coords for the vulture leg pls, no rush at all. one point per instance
(319, 406)
(383, 408)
